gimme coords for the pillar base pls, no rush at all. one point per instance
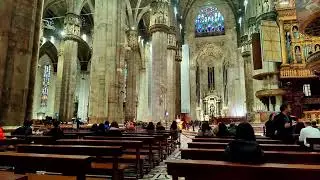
(97, 120)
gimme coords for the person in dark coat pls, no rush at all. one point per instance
(283, 124)
(223, 130)
(159, 127)
(244, 149)
(101, 130)
(269, 125)
(114, 130)
(56, 131)
(24, 130)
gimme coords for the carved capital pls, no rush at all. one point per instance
(72, 24)
(133, 39)
(159, 28)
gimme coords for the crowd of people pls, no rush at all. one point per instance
(220, 130)
(283, 127)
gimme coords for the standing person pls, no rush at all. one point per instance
(244, 148)
(269, 125)
(283, 124)
(308, 132)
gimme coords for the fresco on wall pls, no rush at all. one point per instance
(305, 10)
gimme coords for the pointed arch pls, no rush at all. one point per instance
(50, 49)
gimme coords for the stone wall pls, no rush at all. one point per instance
(214, 51)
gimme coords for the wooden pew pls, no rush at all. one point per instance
(227, 140)
(314, 143)
(149, 141)
(265, 147)
(204, 169)
(137, 145)
(70, 165)
(4, 175)
(230, 137)
(286, 157)
(96, 151)
(161, 138)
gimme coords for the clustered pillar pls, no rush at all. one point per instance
(67, 69)
(171, 75)
(159, 29)
(19, 46)
(133, 72)
(103, 100)
(248, 70)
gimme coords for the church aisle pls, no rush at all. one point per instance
(160, 172)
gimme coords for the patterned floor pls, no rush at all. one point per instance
(160, 172)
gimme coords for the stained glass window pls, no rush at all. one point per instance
(209, 22)
(45, 85)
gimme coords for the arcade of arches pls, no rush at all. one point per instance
(152, 60)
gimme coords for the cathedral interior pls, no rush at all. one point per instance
(157, 60)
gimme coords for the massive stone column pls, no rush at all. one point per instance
(178, 59)
(69, 67)
(159, 29)
(171, 75)
(103, 101)
(19, 36)
(248, 72)
(133, 71)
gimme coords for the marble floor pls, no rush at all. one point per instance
(160, 172)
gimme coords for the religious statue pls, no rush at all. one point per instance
(266, 6)
(288, 46)
(295, 32)
(297, 51)
(317, 47)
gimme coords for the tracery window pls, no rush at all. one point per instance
(45, 85)
(209, 22)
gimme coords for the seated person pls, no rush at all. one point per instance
(308, 132)
(101, 131)
(56, 131)
(24, 130)
(130, 126)
(244, 148)
(205, 130)
(150, 127)
(232, 129)
(1, 132)
(94, 127)
(159, 127)
(114, 130)
(297, 128)
(106, 125)
(174, 130)
(222, 130)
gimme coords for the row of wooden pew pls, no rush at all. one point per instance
(79, 154)
(205, 159)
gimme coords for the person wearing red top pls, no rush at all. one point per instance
(1, 132)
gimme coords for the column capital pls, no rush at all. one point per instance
(72, 24)
(159, 19)
(133, 39)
